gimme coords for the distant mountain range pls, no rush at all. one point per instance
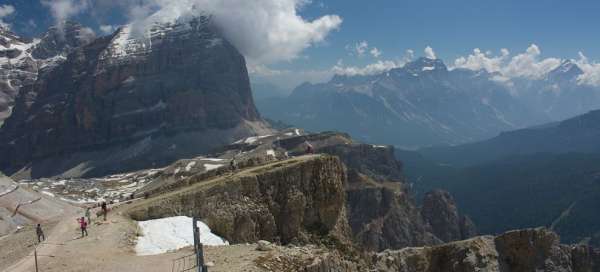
(424, 103)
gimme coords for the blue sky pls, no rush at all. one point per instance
(560, 29)
(454, 28)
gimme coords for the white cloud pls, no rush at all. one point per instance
(359, 48)
(263, 70)
(529, 65)
(526, 65)
(287, 79)
(408, 56)
(107, 29)
(263, 30)
(591, 71)
(5, 10)
(429, 53)
(86, 34)
(62, 10)
(375, 52)
(480, 61)
(377, 67)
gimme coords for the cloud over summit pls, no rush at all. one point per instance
(265, 31)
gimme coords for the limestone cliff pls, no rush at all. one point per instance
(381, 210)
(440, 212)
(290, 201)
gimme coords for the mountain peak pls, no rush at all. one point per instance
(567, 70)
(59, 40)
(425, 65)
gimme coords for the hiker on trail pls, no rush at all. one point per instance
(104, 209)
(88, 215)
(83, 226)
(309, 148)
(232, 164)
(40, 233)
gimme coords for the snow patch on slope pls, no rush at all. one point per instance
(172, 233)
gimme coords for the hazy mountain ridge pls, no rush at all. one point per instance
(578, 134)
(425, 103)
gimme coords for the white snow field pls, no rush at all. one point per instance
(172, 233)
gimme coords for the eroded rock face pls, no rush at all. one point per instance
(176, 93)
(516, 251)
(440, 212)
(285, 202)
(383, 218)
(21, 59)
(60, 40)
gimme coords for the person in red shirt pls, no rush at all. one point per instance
(83, 226)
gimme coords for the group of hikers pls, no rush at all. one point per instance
(83, 222)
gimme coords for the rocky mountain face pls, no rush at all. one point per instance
(422, 103)
(440, 212)
(371, 201)
(20, 59)
(381, 211)
(286, 202)
(124, 102)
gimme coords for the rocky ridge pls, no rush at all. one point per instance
(379, 209)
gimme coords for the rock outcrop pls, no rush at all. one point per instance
(384, 217)
(297, 201)
(124, 103)
(440, 212)
(515, 251)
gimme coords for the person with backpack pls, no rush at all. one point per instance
(104, 209)
(83, 226)
(40, 233)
